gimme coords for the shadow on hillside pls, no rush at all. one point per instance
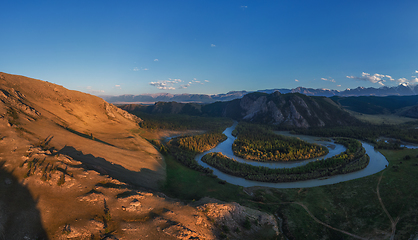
(143, 178)
(19, 217)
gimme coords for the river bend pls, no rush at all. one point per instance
(377, 163)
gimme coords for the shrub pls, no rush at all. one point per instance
(61, 181)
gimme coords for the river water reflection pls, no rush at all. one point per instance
(377, 163)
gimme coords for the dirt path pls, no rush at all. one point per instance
(316, 219)
(393, 222)
(326, 225)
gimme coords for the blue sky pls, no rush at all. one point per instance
(136, 47)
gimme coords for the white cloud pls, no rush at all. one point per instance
(376, 78)
(390, 78)
(296, 80)
(213, 45)
(416, 71)
(381, 79)
(137, 69)
(338, 85)
(156, 60)
(402, 80)
(184, 86)
(170, 84)
(329, 80)
(118, 86)
(244, 7)
(166, 84)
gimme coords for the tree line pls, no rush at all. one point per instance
(185, 149)
(162, 121)
(199, 143)
(183, 156)
(255, 142)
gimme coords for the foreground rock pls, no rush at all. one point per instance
(68, 201)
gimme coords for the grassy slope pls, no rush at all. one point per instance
(190, 185)
(380, 119)
(353, 206)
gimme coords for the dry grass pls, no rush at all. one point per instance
(84, 123)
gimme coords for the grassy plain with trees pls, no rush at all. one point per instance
(357, 206)
(185, 149)
(407, 132)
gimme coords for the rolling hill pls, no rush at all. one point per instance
(73, 166)
(40, 110)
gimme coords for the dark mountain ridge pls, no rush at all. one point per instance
(292, 109)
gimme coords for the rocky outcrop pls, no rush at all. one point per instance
(111, 110)
(275, 112)
(87, 205)
(239, 220)
(15, 100)
(253, 106)
(295, 118)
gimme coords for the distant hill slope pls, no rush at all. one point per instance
(400, 105)
(291, 109)
(411, 112)
(39, 110)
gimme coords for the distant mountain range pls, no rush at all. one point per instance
(167, 97)
(400, 90)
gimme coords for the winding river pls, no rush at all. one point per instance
(377, 163)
